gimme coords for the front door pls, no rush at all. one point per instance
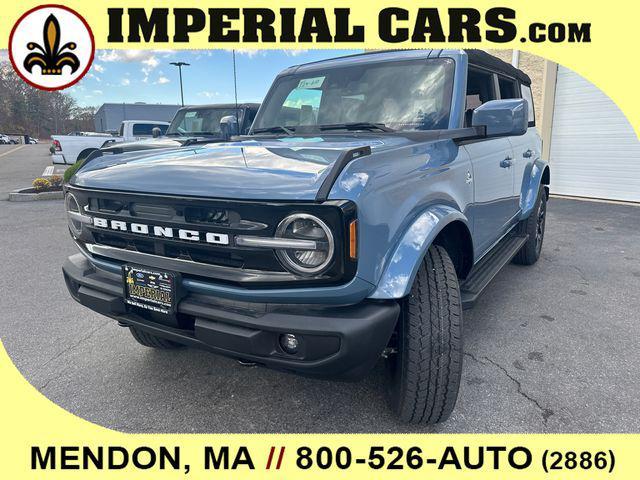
(493, 178)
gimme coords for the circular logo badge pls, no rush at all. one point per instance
(51, 47)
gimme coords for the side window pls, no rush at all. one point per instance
(508, 88)
(146, 129)
(527, 95)
(480, 90)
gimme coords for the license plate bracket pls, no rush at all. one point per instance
(150, 289)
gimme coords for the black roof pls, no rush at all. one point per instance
(481, 58)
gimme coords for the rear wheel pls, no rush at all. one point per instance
(534, 226)
(152, 341)
(424, 371)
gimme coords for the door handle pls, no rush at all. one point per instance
(506, 163)
(528, 153)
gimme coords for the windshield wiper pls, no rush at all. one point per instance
(275, 129)
(201, 139)
(357, 126)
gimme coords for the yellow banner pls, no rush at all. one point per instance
(587, 37)
(41, 440)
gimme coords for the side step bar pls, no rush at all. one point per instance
(482, 274)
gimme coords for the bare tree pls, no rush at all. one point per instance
(28, 111)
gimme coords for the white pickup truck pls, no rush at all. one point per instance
(68, 149)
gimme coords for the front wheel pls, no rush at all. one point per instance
(424, 372)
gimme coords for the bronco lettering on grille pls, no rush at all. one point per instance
(164, 232)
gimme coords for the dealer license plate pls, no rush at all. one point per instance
(149, 289)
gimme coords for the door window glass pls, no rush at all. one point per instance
(480, 90)
(508, 88)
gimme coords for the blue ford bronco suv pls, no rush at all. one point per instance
(373, 199)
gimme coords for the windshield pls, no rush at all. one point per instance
(205, 121)
(402, 95)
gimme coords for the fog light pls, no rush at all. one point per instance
(289, 343)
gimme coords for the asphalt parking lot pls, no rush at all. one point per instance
(549, 348)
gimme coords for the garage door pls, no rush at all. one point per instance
(594, 150)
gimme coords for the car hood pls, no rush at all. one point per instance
(275, 169)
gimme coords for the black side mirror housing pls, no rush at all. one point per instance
(156, 132)
(229, 126)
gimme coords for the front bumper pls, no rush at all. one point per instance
(335, 341)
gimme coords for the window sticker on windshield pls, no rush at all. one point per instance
(190, 114)
(315, 82)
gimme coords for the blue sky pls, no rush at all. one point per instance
(146, 76)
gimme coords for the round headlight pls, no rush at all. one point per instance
(301, 226)
(73, 207)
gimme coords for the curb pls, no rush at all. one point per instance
(21, 196)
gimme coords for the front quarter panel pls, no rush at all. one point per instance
(404, 196)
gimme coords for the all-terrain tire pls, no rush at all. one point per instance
(533, 226)
(424, 373)
(152, 341)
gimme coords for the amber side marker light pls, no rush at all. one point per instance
(353, 240)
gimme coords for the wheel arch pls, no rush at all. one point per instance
(535, 175)
(456, 239)
(439, 224)
(85, 153)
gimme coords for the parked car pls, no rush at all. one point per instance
(194, 124)
(71, 148)
(373, 199)
(77, 133)
(5, 140)
(31, 140)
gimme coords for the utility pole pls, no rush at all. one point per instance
(180, 65)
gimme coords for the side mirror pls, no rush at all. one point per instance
(156, 132)
(502, 118)
(229, 126)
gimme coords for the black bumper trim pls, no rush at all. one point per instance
(337, 342)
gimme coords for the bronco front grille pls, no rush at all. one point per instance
(223, 219)
(182, 252)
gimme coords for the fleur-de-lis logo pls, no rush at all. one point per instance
(58, 57)
(51, 56)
